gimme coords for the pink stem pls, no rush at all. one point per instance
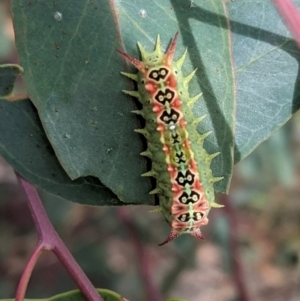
(22, 287)
(289, 13)
(49, 240)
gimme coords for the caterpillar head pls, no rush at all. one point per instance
(153, 58)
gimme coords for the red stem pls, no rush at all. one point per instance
(22, 286)
(289, 13)
(49, 240)
(142, 259)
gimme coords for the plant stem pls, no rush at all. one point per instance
(291, 16)
(22, 286)
(49, 240)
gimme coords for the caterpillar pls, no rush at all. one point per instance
(180, 164)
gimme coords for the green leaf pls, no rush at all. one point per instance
(8, 75)
(76, 295)
(31, 154)
(72, 73)
(73, 79)
(267, 72)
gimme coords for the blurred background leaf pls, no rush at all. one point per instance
(77, 296)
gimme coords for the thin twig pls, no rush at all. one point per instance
(22, 286)
(50, 241)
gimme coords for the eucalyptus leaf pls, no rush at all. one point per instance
(71, 71)
(31, 155)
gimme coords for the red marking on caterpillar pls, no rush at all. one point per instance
(180, 165)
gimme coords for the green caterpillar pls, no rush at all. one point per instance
(180, 164)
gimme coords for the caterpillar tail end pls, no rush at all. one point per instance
(174, 234)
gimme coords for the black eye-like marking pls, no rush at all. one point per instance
(171, 117)
(180, 158)
(184, 217)
(158, 74)
(164, 97)
(192, 198)
(175, 138)
(197, 216)
(182, 180)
